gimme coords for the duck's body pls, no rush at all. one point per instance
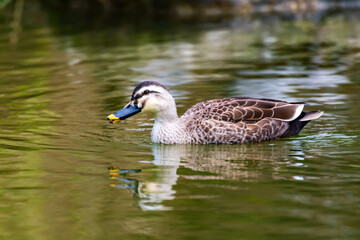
(217, 121)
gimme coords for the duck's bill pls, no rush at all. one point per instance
(128, 111)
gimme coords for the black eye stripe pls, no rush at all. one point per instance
(137, 96)
(149, 91)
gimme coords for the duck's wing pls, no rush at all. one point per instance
(249, 110)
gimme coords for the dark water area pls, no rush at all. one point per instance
(66, 173)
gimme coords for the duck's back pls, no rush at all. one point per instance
(239, 120)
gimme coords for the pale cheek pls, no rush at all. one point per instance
(151, 106)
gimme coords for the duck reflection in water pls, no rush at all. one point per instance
(249, 162)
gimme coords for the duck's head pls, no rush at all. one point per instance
(148, 96)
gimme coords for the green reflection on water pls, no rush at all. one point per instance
(57, 87)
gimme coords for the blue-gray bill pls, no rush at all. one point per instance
(128, 111)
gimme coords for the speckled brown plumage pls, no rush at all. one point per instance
(240, 120)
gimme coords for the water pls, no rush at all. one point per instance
(65, 173)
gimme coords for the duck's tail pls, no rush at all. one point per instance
(296, 125)
(310, 115)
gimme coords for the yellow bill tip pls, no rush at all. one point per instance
(112, 118)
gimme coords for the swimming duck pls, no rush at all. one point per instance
(217, 121)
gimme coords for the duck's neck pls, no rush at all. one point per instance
(167, 115)
(167, 127)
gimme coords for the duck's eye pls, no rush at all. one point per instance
(146, 92)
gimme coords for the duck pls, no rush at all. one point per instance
(232, 120)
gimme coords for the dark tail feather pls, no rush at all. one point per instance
(298, 124)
